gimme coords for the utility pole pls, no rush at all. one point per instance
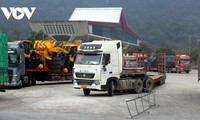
(189, 40)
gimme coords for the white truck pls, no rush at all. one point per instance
(98, 66)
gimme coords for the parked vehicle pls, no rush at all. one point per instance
(50, 60)
(16, 66)
(41, 61)
(99, 66)
(3, 61)
(153, 65)
(170, 63)
(174, 64)
(183, 63)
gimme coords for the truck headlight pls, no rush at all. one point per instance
(96, 82)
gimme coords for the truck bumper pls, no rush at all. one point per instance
(87, 84)
(12, 84)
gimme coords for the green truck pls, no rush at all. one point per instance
(3, 61)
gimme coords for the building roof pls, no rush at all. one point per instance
(65, 30)
(109, 16)
(80, 25)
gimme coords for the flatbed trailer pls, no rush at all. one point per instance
(50, 60)
(158, 78)
(48, 75)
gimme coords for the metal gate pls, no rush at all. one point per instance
(141, 104)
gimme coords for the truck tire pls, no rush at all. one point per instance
(177, 71)
(34, 81)
(148, 84)
(110, 88)
(138, 86)
(187, 72)
(30, 82)
(86, 91)
(20, 85)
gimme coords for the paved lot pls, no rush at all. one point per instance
(179, 99)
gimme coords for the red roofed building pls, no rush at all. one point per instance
(109, 17)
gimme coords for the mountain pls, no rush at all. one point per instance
(161, 23)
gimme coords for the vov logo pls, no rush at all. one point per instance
(18, 12)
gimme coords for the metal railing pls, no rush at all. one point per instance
(141, 104)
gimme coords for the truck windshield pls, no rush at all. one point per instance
(131, 62)
(12, 58)
(88, 59)
(185, 61)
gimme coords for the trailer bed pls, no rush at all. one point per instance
(158, 78)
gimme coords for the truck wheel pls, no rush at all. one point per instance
(148, 84)
(20, 84)
(86, 91)
(110, 88)
(177, 71)
(187, 72)
(138, 86)
(33, 81)
(30, 80)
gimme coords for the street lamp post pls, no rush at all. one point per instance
(189, 37)
(189, 40)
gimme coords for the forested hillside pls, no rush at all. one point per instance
(161, 23)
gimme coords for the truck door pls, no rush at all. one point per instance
(106, 69)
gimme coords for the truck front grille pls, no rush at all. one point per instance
(84, 75)
(85, 82)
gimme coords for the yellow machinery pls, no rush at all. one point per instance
(45, 50)
(46, 59)
(51, 54)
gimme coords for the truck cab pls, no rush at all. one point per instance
(183, 63)
(16, 64)
(97, 64)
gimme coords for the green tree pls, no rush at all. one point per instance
(194, 56)
(37, 35)
(167, 51)
(143, 48)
